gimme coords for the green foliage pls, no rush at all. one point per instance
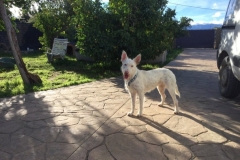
(137, 26)
(53, 18)
(60, 73)
(94, 30)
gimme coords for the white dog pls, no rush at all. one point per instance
(140, 81)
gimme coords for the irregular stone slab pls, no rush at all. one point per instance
(112, 126)
(46, 134)
(21, 133)
(122, 112)
(62, 121)
(134, 121)
(53, 109)
(57, 151)
(75, 134)
(20, 145)
(74, 109)
(161, 119)
(80, 153)
(35, 153)
(92, 142)
(207, 150)
(176, 151)
(114, 101)
(68, 100)
(127, 147)
(111, 90)
(93, 120)
(165, 109)
(232, 135)
(211, 137)
(37, 124)
(91, 106)
(15, 114)
(212, 158)
(104, 112)
(185, 125)
(80, 103)
(134, 129)
(216, 122)
(96, 99)
(157, 128)
(4, 155)
(10, 126)
(100, 153)
(4, 139)
(50, 98)
(39, 116)
(153, 138)
(149, 111)
(183, 139)
(232, 149)
(234, 126)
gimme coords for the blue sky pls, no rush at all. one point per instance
(213, 13)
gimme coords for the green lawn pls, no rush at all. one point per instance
(60, 73)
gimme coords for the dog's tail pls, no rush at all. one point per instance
(177, 91)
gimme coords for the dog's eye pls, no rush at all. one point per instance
(125, 64)
(131, 65)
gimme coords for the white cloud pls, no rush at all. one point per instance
(214, 21)
(217, 14)
(214, 6)
(219, 21)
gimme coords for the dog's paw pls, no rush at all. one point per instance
(139, 115)
(129, 113)
(176, 112)
(160, 104)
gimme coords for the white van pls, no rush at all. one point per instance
(228, 54)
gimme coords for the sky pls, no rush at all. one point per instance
(201, 11)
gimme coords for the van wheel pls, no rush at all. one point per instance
(229, 86)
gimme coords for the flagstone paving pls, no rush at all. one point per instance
(89, 122)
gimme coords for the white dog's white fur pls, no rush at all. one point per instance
(140, 81)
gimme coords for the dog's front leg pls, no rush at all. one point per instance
(141, 98)
(133, 97)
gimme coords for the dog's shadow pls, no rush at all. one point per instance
(164, 130)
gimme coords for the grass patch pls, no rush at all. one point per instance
(61, 73)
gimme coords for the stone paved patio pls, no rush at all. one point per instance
(89, 121)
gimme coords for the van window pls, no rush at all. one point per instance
(229, 18)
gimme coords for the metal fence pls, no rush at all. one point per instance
(27, 37)
(197, 39)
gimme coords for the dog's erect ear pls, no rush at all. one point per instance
(137, 59)
(124, 56)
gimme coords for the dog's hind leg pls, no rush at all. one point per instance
(133, 97)
(175, 101)
(161, 90)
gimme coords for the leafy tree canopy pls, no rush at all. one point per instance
(137, 26)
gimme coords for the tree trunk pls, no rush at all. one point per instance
(27, 77)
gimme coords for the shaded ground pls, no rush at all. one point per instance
(89, 121)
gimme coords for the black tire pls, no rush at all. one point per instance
(229, 85)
